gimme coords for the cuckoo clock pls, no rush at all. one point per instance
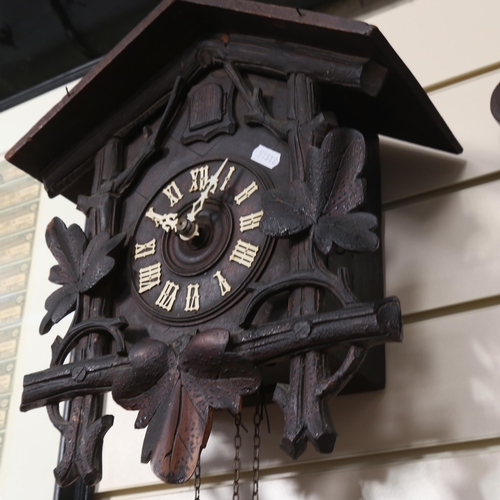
(225, 155)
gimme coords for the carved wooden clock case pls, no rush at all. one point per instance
(226, 157)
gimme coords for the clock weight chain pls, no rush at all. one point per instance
(257, 420)
(197, 480)
(237, 462)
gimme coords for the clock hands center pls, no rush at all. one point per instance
(187, 227)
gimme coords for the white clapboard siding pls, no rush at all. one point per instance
(444, 250)
(443, 386)
(409, 170)
(466, 476)
(441, 39)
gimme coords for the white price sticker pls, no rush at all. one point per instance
(265, 156)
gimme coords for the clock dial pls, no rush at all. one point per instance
(198, 243)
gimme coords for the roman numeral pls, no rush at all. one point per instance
(244, 253)
(173, 193)
(225, 287)
(246, 193)
(192, 298)
(199, 178)
(168, 295)
(228, 176)
(149, 277)
(148, 248)
(250, 221)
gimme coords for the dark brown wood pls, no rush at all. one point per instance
(202, 263)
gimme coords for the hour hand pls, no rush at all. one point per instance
(168, 222)
(197, 206)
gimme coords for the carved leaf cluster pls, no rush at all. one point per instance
(80, 267)
(323, 202)
(178, 408)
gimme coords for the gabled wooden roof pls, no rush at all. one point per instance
(128, 81)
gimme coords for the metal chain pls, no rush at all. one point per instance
(237, 462)
(197, 480)
(257, 419)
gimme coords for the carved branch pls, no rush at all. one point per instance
(280, 59)
(306, 417)
(319, 277)
(152, 145)
(331, 386)
(362, 324)
(303, 400)
(84, 430)
(258, 113)
(82, 444)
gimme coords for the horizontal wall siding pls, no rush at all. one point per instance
(460, 476)
(444, 250)
(409, 170)
(440, 40)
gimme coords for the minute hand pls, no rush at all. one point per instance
(211, 187)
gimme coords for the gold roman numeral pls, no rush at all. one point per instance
(173, 193)
(199, 178)
(149, 277)
(250, 221)
(144, 250)
(168, 295)
(246, 193)
(192, 298)
(228, 177)
(225, 287)
(244, 253)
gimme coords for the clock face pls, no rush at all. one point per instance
(198, 243)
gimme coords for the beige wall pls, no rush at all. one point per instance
(434, 432)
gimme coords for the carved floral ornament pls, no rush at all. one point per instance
(295, 224)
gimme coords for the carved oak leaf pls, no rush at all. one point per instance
(324, 200)
(178, 408)
(80, 267)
